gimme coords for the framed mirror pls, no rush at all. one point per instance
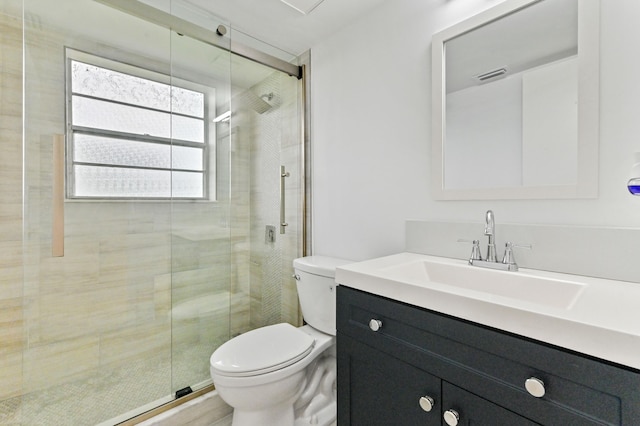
(516, 103)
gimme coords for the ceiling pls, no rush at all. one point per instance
(280, 25)
(270, 21)
(532, 36)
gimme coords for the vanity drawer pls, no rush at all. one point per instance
(494, 365)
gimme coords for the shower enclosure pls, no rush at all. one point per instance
(141, 203)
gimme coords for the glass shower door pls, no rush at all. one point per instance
(117, 289)
(238, 264)
(202, 263)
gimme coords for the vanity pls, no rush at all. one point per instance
(426, 340)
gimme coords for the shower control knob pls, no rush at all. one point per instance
(375, 324)
(535, 387)
(427, 403)
(451, 417)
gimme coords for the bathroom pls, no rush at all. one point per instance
(370, 156)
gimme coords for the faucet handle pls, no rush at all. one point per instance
(475, 250)
(508, 258)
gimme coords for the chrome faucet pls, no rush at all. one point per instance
(490, 231)
(508, 262)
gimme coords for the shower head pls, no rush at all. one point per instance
(257, 103)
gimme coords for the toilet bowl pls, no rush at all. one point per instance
(279, 374)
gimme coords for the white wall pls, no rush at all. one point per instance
(371, 94)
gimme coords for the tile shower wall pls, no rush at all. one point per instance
(264, 269)
(11, 301)
(276, 141)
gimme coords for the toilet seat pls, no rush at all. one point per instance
(261, 351)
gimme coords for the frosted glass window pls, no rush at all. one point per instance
(187, 128)
(88, 112)
(92, 149)
(96, 181)
(120, 152)
(186, 158)
(134, 136)
(104, 83)
(114, 182)
(104, 115)
(187, 102)
(187, 185)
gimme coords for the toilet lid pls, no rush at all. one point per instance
(262, 350)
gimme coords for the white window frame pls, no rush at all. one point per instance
(208, 172)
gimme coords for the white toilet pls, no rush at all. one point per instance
(281, 375)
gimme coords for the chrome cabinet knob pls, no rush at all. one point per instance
(427, 403)
(375, 324)
(451, 417)
(535, 387)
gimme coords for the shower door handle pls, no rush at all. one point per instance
(283, 175)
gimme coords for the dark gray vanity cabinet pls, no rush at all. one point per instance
(386, 391)
(403, 365)
(383, 389)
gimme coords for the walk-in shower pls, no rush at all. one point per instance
(116, 289)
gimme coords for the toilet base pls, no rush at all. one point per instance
(280, 415)
(317, 404)
(284, 415)
(324, 417)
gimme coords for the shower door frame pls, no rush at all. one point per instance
(214, 38)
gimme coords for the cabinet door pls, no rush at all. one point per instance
(473, 410)
(377, 389)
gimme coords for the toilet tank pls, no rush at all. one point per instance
(315, 277)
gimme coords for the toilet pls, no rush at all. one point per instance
(281, 375)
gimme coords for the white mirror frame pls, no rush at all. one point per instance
(588, 109)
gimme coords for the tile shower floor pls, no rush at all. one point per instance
(105, 395)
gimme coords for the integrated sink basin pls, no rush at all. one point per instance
(527, 286)
(594, 316)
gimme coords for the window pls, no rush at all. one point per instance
(132, 134)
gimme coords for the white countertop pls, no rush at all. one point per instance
(603, 321)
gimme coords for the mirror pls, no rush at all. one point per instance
(516, 101)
